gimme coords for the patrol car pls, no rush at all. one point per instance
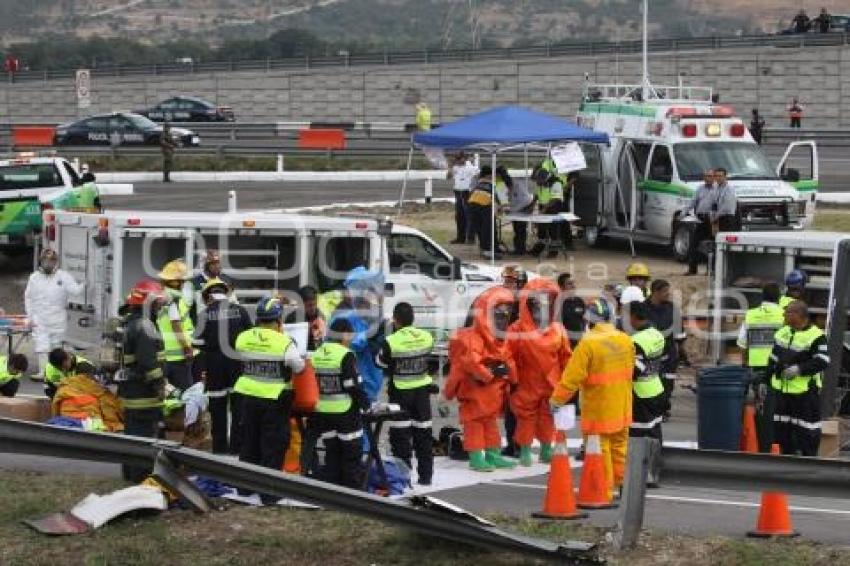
(662, 140)
(119, 128)
(188, 109)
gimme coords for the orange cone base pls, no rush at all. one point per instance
(612, 505)
(567, 517)
(759, 534)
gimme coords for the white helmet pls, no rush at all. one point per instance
(631, 294)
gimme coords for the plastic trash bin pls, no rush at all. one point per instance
(721, 392)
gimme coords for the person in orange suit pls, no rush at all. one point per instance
(482, 371)
(540, 348)
(601, 368)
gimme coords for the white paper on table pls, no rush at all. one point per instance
(565, 417)
(568, 157)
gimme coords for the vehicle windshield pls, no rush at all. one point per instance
(741, 160)
(29, 176)
(141, 122)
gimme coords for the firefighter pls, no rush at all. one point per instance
(219, 324)
(481, 371)
(601, 368)
(794, 370)
(337, 418)
(269, 358)
(637, 275)
(795, 288)
(175, 325)
(11, 369)
(540, 348)
(404, 358)
(142, 388)
(61, 364)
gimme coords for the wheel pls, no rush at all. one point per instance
(592, 237)
(683, 237)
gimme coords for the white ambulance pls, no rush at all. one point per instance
(640, 186)
(263, 252)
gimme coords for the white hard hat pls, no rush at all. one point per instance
(631, 294)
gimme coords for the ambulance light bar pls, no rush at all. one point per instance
(722, 111)
(737, 130)
(689, 130)
(713, 130)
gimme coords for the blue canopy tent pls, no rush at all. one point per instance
(501, 129)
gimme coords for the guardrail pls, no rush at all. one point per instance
(588, 48)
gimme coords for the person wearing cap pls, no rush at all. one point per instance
(45, 303)
(572, 308)
(142, 388)
(667, 318)
(175, 325)
(482, 199)
(795, 288)
(269, 359)
(11, 369)
(211, 269)
(637, 274)
(601, 367)
(219, 324)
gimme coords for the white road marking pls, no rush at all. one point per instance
(703, 501)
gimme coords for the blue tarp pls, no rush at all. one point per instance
(506, 125)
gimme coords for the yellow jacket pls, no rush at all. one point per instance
(601, 367)
(81, 397)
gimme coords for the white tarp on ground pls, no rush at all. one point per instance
(97, 510)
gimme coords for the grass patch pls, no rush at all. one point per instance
(832, 220)
(251, 163)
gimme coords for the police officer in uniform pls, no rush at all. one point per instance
(800, 354)
(141, 388)
(219, 324)
(337, 418)
(404, 355)
(755, 338)
(269, 358)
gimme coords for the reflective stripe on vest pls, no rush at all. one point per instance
(410, 348)
(762, 324)
(5, 375)
(142, 403)
(796, 342)
(262, 352)
(647, 384)
(173, 346)
(327, 363)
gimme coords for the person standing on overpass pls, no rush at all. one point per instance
(757, 126)
(423, 117)
(795, 113)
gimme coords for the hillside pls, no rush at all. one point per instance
(392, 24)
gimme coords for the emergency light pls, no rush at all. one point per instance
(737, 130)
(689, 130)
(712, 130)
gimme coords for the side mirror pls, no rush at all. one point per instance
(791, 175)
(457, 268)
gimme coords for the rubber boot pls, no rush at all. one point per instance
(495, 459)
(545, 452)
(525, 458)
(478, 462)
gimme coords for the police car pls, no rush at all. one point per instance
(119, 128)
(188, 109)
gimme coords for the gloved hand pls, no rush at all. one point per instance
(500, 370)
(790, 372)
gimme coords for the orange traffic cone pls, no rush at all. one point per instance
(560, 500)
(292, 458)
(593, 490)
(774, 517)
(749, 438)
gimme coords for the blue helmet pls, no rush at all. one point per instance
(269, 309)
(797, 278)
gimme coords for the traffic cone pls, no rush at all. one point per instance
(749, 438)
(560, 500)
(774, 517)
(593, 490)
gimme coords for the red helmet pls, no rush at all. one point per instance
(144, 289)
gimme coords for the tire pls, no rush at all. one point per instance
(683, 238)
(592, 236)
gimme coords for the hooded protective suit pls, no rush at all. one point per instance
(45, 301)
(540, 356)
(474, 353)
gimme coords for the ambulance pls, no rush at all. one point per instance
(662, 140)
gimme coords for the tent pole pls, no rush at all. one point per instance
(493, 214)
(404, 181)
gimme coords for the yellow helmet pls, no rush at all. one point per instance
(213, 283)
(174, 270)
(637, 270)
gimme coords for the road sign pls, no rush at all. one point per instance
(83, 88)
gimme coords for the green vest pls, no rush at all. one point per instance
(785, 300)
(647, 384)
(262, 352)
(173, 347)
(86, 195)
(5, 376)
(410, 348)
(795, 343)
(327, 363)
(53, 375)
(762, 324)
(548, 193)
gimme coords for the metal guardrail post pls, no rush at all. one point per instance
(630, 521)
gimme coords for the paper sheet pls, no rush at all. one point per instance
(565, 418)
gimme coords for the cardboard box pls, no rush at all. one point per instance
(830, 439)
(26, 408)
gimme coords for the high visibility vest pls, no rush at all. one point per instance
(785, 300)
(423, 118)
(86, 195)
(53, 375)
(173, 346)
(264, 375)
(548, 193)
(5, 375)
(762, 324)
(327, 363)
(410, 348)
(792, 343)
(647, 383)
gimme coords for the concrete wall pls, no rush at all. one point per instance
(767, 78)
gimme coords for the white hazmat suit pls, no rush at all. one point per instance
(45, 301)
